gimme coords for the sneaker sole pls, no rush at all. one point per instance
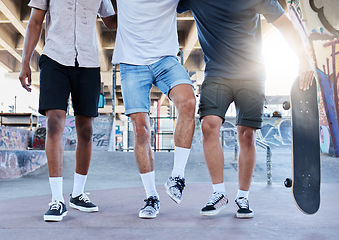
(53, 218)
(244, 215)
(144, 216)
(176, 200)
(83, 209)
(212, 213)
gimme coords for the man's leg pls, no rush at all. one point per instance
(249, 101)
(136, 85)
(55, 123)
(145, 161)
(247, 156)
(214, 158)
(246, 164)
(79, 200)
(183, 97)
(53, 101)
(142, 145)
(84, 127)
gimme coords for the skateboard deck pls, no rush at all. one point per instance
(305, 148)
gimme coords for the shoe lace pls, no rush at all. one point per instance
(55, 205)
(179, 183)
(242, 202)
(84, 198)
(150, 201)
(214, 198)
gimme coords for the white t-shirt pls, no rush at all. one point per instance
(147, 31)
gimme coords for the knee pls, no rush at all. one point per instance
(247, 135)
(85, 133)
(209, 128)
(187, 106)
(142, 133)
(54, 125)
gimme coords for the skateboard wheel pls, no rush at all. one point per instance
(286, 105)
(288, 182)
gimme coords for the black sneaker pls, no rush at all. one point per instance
(57, 210)
(244, 210)
(174, 187)
(83, 203)
(151, 208)
(217, 202)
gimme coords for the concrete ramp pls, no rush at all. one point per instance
(16, 163)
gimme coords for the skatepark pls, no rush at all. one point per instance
(114, 182)
(115, 186)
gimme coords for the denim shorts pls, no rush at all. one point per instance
(137, 81)
(249, 98)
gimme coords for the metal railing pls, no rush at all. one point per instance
(258, 143)
(268, 159)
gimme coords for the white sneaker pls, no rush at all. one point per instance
(151, 208)
(174, 187)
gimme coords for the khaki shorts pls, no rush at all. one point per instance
(249, 97)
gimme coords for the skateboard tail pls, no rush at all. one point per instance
(307, 207)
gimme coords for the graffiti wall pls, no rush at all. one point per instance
(14, 139)
(276, 132)
(102, 128)
(14, 164)
(321, 19)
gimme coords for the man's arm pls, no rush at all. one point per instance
(293, 38)
(111, 22)
(31, 39)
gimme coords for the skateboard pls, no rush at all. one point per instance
(305, 148)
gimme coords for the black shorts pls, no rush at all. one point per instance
(57, 82)
(249, 98)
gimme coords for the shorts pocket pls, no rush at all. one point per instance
(42, 59)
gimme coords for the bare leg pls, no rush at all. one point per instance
(54, 146)
(142, 146)
(247, 156)
(55, 122)
(183, 97)
(213, 153)
(84, 127)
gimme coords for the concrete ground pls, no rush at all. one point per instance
(115, 187)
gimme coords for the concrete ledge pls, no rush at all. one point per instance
(14, 138)
(15, 163)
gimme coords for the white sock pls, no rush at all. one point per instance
(56, 187)
(219, 188)
(148, 180)
(180, 160)
(79, 184)
(242, 193)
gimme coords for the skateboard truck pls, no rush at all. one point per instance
(286, 105)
